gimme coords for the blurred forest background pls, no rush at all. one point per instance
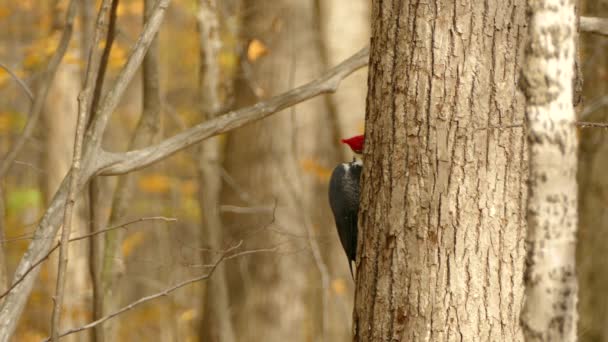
(261, 187)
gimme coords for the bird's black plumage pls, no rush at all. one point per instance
(344, 191)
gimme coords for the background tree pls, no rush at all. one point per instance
(281, 166)
(550, 309)
(442, 214)
(593, 187)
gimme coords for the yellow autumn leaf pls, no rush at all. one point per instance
(187, 315)
(131, 242)
(255, 50)
(154, 183)
(338, 286)
(40, 50)
(134, 8)
(72, 58)
(118, 56)
(313, 167)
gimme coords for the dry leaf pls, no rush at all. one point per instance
(131, 242)
(319, 171)
(188, 315)
(255, 50)
(338, 286)
(154, 183)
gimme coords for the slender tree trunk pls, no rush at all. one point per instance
(217, 320)
(593, 188)
(551, 287)
(345, 28)
(60, 127)
(443, 187)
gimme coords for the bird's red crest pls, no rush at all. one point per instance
(355, 143)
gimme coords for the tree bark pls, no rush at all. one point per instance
(549, 313)
(443, 187)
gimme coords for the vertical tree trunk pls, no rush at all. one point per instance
(279, 295)
(60, 127)
(345, 28)
(217, 320)
(593, 188)
(443, 187)
(551, 288)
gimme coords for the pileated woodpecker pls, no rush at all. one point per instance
(344, 193)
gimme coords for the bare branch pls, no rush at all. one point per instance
(15, 301)
(146, 299)
(81, 123)
(105, 57)
(110, 100)
(19, 81)
(594, 25)
(84, 101)
(47, 80)
(82, 237)
(95, 214)
(134, 160)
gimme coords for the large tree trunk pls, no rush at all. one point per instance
(593, 187)
(281, 295)
(443, 199)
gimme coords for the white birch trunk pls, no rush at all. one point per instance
(549, 313)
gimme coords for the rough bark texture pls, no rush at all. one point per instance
(278, 295)
(550, 278)
(593, 188)
(442, 215)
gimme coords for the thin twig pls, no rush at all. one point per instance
(583, 124)
(146, 299)
(84, 101)
(594, 25)
(45, 85)
(82, 237)
(111, 99)
(95, 214)
(19, 81)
